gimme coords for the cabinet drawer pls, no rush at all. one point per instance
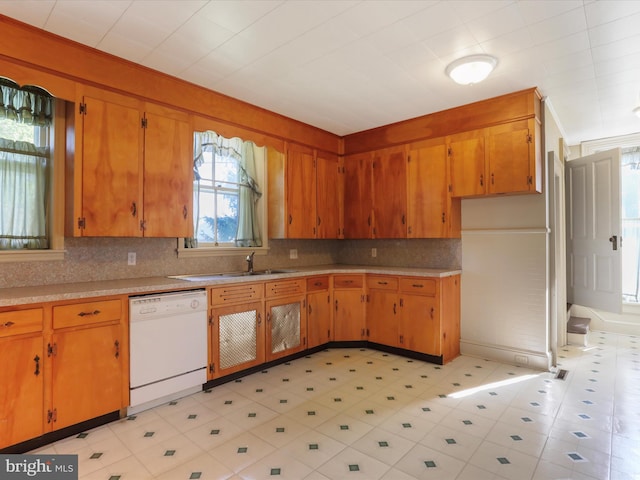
(279, 288)
(419, 286)
(20, 321)
(78, 314)
(382, 282)
(347, 281)
(315, 284)
(239, 293)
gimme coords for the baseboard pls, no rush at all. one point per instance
(513, 356)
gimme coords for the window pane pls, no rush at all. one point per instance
(227, 210)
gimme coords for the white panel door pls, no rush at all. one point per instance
(593, 231)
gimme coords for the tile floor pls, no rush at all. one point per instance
(363, 414)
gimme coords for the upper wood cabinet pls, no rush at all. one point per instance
(390, 193)
(358, 197)
(131, 168)
(431, 212)
(503, 159)
(304, 194)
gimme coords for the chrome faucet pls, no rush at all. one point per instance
(250, 262)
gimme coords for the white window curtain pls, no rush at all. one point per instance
(24, 170)
(248, 232)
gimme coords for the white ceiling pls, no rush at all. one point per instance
(346, 66)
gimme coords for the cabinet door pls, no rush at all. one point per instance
(357, 196)
(420, 325)
(428, 211)
(349, 315)
(319, 324)
(467, 162)
(87, 374)
(511, 158)
(301, 193)
(237, 338)
(382, 317)
(390, 193)
(168, 176)
(22, 392)
(329, 195)
(286, 327)
(111, 185)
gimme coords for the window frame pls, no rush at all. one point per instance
(228, 250)
(56, 251)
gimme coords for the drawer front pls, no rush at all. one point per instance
(347, 281)
(382, 282)
(280, 288)
(315, 284)
(21, 321)
(239, 293)
(419, 286)
(79, 314)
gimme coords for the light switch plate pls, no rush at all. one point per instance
(293, 254)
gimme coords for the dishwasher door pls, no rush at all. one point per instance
(168, 345)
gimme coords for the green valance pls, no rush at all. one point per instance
(30, 105)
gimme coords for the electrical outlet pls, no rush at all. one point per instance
(131, 258)
(522, 359)
(293, 254)
(374, 252)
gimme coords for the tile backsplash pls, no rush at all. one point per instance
(93, 259)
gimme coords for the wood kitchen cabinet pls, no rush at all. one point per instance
(502, 159)
(358, 197)
(349, 308)
(319, 311)
(431, 212)
(236, 328)
(467, 162)
(130, 164)
(382, 309)
(286, 330)
(389, 175)
(86, 351)
(21, 375)
(305, 195)
(330, 192)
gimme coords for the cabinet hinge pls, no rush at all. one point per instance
(81, 222)
(450, 188)
(83, 109)
(529, 138)
(408, 158)
(212, 367)
(143, 225)
(52, 350)
(449, 152)
(529, 179)
(52, 415)
(143, 122)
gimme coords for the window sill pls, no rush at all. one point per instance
(201, 252)
(7, 256)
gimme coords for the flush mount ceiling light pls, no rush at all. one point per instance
(471, 69)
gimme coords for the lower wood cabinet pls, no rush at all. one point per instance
(86, 374)
(62, 364)
(286, 330)
(21, 376)
(319, 311)
(349, 308)
(415, 313)
(236, 328)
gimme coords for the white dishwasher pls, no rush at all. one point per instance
(168, 347)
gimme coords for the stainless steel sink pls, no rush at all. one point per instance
(203, 277)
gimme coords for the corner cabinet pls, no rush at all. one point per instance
(130, 164)
(319, 311)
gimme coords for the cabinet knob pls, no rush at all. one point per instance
(36, 359)
(7, 324)
(134, 209)
(184, 212)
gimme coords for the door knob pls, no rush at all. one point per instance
(614, 242)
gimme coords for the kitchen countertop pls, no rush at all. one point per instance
(136, 286)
